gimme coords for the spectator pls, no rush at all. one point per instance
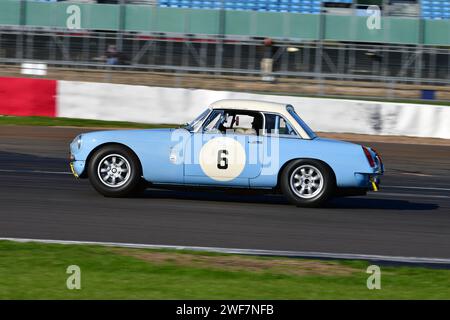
(112, 55)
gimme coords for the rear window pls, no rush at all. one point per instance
(276, 124)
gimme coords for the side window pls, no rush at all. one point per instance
(233, 122)
(284, 127)
(276, 124)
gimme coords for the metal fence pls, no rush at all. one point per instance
(212, 54)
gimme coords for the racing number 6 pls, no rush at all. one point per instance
(222, 161)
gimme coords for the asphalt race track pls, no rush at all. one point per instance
(409, 217)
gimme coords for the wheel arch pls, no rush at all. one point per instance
(306, 159)
(107, 144)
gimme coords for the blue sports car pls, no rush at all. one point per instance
(232, 144)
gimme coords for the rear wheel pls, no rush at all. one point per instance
(115, 171)
(307, 183)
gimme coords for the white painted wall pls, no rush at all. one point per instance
(173, 105)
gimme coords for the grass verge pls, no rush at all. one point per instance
(69, 122)
(38, 271)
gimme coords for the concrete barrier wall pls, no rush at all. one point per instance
(172, 105)
(27, 97)
(103, 101)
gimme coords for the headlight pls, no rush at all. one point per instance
(79, 142)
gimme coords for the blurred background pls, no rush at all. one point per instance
(300, 47)
(374, 72)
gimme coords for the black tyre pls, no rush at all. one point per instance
(307, 183)
(115, 171)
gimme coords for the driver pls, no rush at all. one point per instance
(257, 124)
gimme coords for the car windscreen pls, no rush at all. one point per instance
(191, 126)
(302, 123)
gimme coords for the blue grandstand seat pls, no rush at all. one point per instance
(240, 5)
(431, 9)
(228, 5)
(295, 8)
(435, 9)
(251, 6)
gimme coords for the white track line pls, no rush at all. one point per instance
(69, 173)
(257, 252)
(34, 171)
(417, 188)
(419, 195)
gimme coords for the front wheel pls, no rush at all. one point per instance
(307, 183)
(114, 171)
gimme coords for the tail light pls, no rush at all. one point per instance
(379, 160)
(368, 156)
(377, 154)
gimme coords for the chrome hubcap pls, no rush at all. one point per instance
(114, 170)
(306, 181)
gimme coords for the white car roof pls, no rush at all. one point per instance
(262, 106)
(253, 105)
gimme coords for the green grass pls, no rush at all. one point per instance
(68, 122)
(38, 271)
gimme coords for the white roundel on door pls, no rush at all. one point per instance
(222, 159)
